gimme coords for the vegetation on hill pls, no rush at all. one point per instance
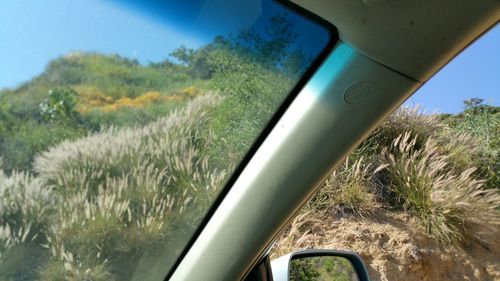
(108, 165)
(423, 165)
(82, 92)
(429, 180)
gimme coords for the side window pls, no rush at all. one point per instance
(122, 121)
(420, 197)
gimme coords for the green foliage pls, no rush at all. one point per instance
(21, 143)
(481, 121)
(303, 270)
(27, 127)
(252, 94)
(44, 111)
(321, 268)
(131, 163)
(114, 75)
(183, 55)
(129, 116)
(273, 47)
(59, 106)
(254, 71)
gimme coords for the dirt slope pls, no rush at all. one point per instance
(395, 249)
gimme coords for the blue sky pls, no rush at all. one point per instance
(34, 32)
(473, 73)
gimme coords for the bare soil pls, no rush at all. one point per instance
(394, 248)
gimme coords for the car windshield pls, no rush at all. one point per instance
(121, 122)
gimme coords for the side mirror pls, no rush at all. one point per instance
(319, 265)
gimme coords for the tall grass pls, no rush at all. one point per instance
(412, 163)
(171, 145)
(447, 204)
(418, 123)
(100, 204)
(127, 191)
(25, 205)
(26, 209)
(349, 189)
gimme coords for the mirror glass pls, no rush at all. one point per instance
(322, 268)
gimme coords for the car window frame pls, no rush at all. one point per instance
(315, 65)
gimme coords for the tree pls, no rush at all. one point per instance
(477, 106)
(296, 63)
(183, 55)
(270, 47)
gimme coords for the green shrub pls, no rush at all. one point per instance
(304, 269)
(349, 189)
(26, 210)
(129, 117)
(20, 145)
(59, 106)
(482, 122)
(447, 204)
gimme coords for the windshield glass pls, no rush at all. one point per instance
(121, 122)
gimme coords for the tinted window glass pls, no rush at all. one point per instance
(121, 121)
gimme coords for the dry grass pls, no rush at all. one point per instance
(447, 204)
(26, 209)
(298, 235)
(420, 124)
(416, 165)
(124, 191)
(173, 143)
(414, 120)
(25, 206)
(101, 203)
(350, 189)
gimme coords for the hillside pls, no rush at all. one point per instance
(419, 198)
(394, 247)
(81, 93)
(84, 92)
(107, 166)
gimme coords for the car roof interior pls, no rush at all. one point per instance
(413, 37)
(395, 45)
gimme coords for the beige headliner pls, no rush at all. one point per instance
(413, 37)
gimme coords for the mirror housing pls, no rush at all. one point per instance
(282, 266)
